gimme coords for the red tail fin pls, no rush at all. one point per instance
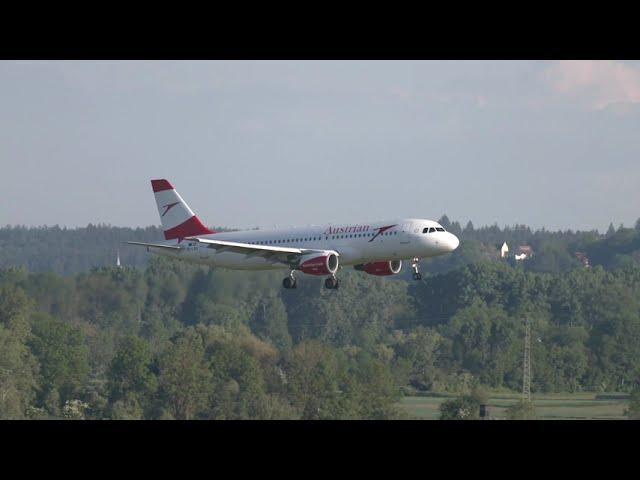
(178, 220)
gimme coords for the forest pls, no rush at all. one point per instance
(160, 339)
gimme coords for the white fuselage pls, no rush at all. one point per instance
(357, 243)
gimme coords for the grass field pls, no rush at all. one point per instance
(577, 406)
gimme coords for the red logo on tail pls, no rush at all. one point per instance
(168, 207)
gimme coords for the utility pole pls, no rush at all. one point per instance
(526, 368)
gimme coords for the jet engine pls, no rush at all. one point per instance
(391, 267)
(319, 264)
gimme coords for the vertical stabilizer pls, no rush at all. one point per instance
(178, 220)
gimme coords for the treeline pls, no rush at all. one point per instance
(73, 251)
(180, 341)
(69, 251)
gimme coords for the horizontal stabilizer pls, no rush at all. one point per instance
(155, 245)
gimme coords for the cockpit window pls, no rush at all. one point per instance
(432, 229)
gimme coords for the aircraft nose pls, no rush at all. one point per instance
(452, 242)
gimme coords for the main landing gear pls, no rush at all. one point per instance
(290, 281)
(414, 265)
(331, 283)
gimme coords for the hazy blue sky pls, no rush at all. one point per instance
(554, 144)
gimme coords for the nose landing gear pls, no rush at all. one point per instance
(290, 281)
(416, 272)
(331, 283)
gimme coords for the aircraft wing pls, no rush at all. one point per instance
(155, 245)
(274, 254)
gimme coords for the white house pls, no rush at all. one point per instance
(524, 252)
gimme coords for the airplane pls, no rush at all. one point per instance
(376, 248)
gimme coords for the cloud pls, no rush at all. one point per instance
(598, 82)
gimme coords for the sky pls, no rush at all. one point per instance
(280, 143)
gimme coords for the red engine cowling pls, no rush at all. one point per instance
(323, 264)
(391, 267)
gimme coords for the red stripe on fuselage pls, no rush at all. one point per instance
(161, 185)
(191, 227)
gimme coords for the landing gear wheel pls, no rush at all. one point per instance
(416, 272)
(331, 283)
(290, 282)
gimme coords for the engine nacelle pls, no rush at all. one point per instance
(391, 267)
(320, 264)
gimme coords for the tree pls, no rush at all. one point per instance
(239, 385)
(17, 364)
(522, 410)
(184, 379)
(418, 350)
(129, 375)
(465, 407)
(374, 393)
(469, 227)
(445, 222)
(270, 322)
(314, 376)
(62, 354)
